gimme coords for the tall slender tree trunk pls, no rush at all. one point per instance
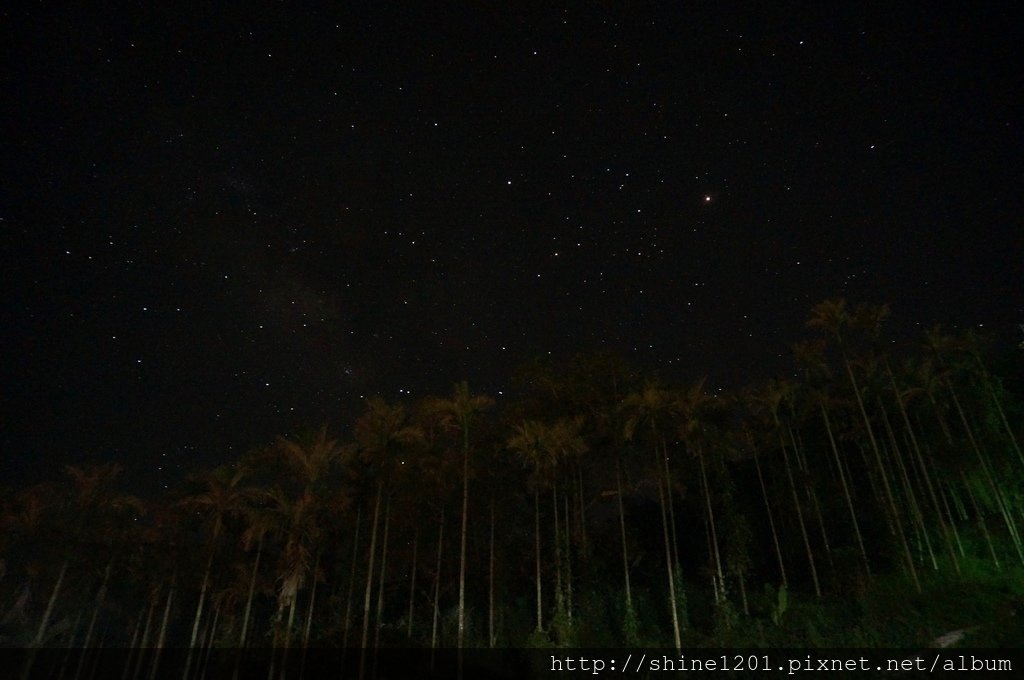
(846, 491)
(44, 624)
(771, 519)
(583, 510)
(286, 650)
(743, 592)
(369, 583)
(312, 603)
(437, 585)
(671, 503)
(981, 520)
(101, 595)
(209, 640)
(380, 587)
(990, 478)
(669, 568)
(412, 580)
(568, 560)
(898, 525)
(950, 518)
(309, 616)
(437, 589)
(712, 574)
(131, 645)
(98, 655)
(536, 552)
(915, 508)
(251, 595)
(490, 585)
(559, 593)
(462, 543)
(796, 505)
(162, 639)
(622, 530)
(812, 495)
(154, 601)
(202, 597)
(383, 575)
(716, 554)
(925, 474)
(351, 581)
(72, 644)
(943, 425)
(987, 379)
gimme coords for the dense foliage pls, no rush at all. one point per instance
(877, 500)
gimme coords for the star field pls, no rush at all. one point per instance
(222, 226)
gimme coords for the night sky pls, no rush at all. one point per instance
(221, 227)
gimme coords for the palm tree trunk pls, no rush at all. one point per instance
(796, 505)
(462, 544)
(163, 628)
(716, 555)
(380, 587)
(708, 544)
(351, 581)
(771, 519)
(154, 600)
(202, 597)
(536, 536)
(71, 644)
(915, 508)
(568, 560)
(490, 585)
(927, 503)
(671, 503)
(669, 568)
(205, 660)
(369, 582)
(622, 530)
(885, 479)
(45, 622)
(309, 617)
(100, 597)
(809, 490)
(987, 379)
(583, 511)
(743, 593)
(437, 584)
(412, 580)
(437, 589)
(950, 518)
(958, 503)
(252, 592)
(312, 603)
(131, 645)
(986, 469)
(559, 602)
(286, 649)
(846, 490)
(981, 520)
(941, 418)
(383, 574)
(919, 459)
(99, 648)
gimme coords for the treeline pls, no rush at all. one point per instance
(600, 509)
